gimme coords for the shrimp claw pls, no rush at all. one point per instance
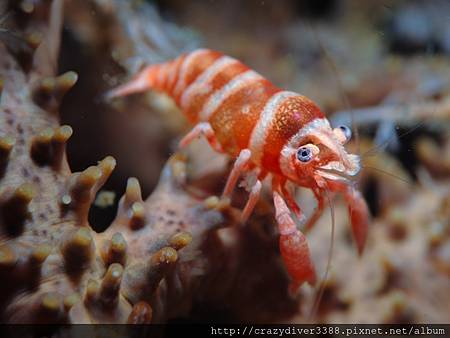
(359, 216)
(293, 246)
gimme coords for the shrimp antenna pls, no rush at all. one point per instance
(374, 150)
(321, 290)
(346, 102)
(334, 69)
(387, 173)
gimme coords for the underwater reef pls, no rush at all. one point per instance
(151, 262)
(68, 256)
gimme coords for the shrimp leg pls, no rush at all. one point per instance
(252, 200)
(290, 200)
(293, 246)
(201, 129)
(240, 166)
(317, 212)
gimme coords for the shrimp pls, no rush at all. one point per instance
(268, 131)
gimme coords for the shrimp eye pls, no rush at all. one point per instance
(347, 132)
(304, 154)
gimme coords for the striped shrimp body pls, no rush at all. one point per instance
(268, 131)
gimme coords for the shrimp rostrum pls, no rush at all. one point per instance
(269, 132)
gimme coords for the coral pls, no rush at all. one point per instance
(56, 269)
(155, 257)
(402, 276)
(435, 157)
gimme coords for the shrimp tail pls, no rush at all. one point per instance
(143, 81)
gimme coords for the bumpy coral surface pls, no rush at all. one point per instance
(402, 276)
(54, 267)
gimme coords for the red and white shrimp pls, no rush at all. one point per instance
(268, 131)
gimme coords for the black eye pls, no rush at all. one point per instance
(304, 154)
(347, 132)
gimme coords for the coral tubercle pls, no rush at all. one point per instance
(54, 267)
